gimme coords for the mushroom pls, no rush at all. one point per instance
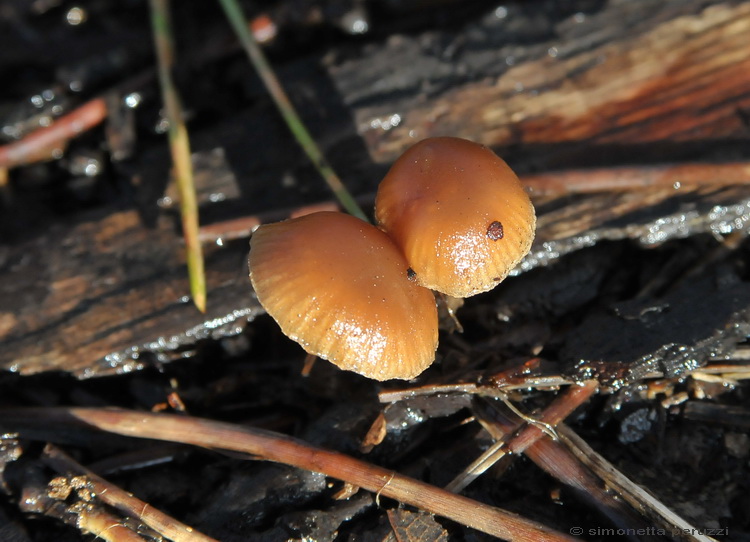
(340, 288)
(459, 214)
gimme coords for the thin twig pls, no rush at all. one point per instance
(554, 414)
(105, 526)
(179, 145)
(676, 176)
(497, 390)
(123, 501)
(638, 497)
(48, 143)
(239, 228)
(292, 119)
(558, 461)
(283, 449)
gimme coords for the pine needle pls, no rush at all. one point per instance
(292, 119)
(179, 145)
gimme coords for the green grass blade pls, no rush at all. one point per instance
(179, 145)
(292, 119)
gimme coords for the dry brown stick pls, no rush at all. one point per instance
(493, 387)
(52, 500)
(554, 414)
(578, 181)
(46, 143)
(124, 502)
(555, 459)
(393, 396)
(638, 497)
(238, 228)
(105, 526)
(283, 449)
(726, 371)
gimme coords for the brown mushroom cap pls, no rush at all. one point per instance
(339, 287)
(459, 214)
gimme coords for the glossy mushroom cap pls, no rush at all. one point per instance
(459, 214)
(340, 288)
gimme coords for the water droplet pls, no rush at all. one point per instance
(76, 15)
(264, 29)
(11, 131)
(92, 168)
(385, 123)
(133, 99)
(359, 26)
(162, 126)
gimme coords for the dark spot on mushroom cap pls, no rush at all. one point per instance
(437, 202)
(495, 230)
(411, 274)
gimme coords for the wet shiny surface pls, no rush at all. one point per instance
(440, 200)
(339, 287)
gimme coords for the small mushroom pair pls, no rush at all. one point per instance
(452, 217)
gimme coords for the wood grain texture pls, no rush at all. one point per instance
(656, 81)
(632, 73)
(93, 297)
